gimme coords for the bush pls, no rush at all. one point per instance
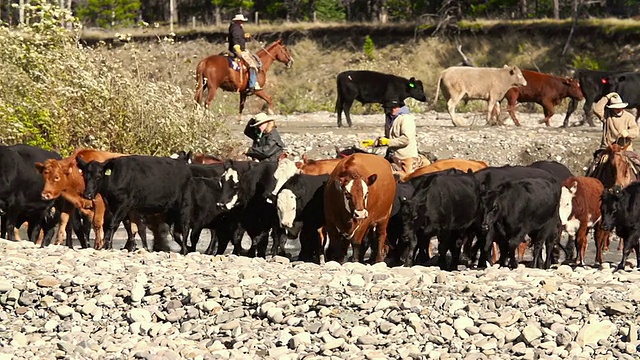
(58, 95)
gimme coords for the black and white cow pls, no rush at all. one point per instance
(518, 208)
(148, 185)
(445, 204)
(373, 87)
(620, 209)
(245, 189)
(300, 205)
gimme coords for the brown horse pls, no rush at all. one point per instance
(213, 72)
(615, 168)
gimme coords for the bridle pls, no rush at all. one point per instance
(289, 59)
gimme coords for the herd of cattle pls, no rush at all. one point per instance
(353, 200)
(492, 85)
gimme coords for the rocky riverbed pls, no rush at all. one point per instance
(57, 302)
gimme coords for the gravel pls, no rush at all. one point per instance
(114, 304)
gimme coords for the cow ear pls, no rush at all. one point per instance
(68, 170)
(371, 179)
(40, 167)
(107, 169)
(574, 187)
(82, 165)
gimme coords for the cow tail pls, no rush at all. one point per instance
(435, 99)
(200, 83)
(338, 98)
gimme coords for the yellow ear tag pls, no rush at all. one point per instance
(107, 172)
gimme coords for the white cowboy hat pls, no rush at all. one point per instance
(262, 118)
(615, 102)
(239, 17)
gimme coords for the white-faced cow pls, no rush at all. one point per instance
(469, 83)
(358, 198)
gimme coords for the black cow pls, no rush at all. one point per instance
(558, 170)
(205, 214)
(621, 210)
(444, 205)
(593, 88)
(627, 85)
(245, 189)
(373, 87)
(492, 177)
(300, 204)
(518, 208)
(148, 185)
(20, 191)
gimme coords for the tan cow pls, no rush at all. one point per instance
(469, 83)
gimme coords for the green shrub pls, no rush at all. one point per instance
(58, 95)
(585, 62)
(369, 47)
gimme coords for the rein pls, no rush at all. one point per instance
(267, 51)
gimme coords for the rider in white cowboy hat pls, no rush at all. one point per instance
(619, 125)
(237, 39)
(267, 144)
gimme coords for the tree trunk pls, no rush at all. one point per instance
(556, 9)
(523, 9)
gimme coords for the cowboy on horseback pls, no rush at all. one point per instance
(237, 39)
(619, 127)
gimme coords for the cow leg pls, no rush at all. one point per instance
(9, 222)
(573, 104)
(451, 108)
(347, 112)
(630, 243)
(112, 225)
(337, 246)
(130, 245)
(491, 104)
(279, 241)
(547, 107)
(511, 109)
(81, 227)
(409, 252)
(581, 243)
(194, 237)
(65, 214)
(588, 106)
(97, 217)
(601, 237)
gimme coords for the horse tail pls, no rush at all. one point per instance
(200, 82)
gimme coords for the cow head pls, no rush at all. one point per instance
(230, 185)
(517, 79)
(183, 156)
(355, 191)
(566, 201)
(56, 177)
(612, 199)
(409, 215)
(94, 174)
(287, 204)
(416, 90)
(573, 88)
(610, 83)
(490, 209)
(285, 170)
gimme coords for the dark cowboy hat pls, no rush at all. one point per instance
(391, 104)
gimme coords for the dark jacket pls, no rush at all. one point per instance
(268, 146)
(236, 37)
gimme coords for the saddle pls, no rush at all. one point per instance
(237, 64)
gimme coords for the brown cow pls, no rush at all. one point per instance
(357, 198)
(444, 164)
(579, 210)
(63, 178)
(543, 89)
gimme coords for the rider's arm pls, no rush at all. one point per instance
(407, 131)
(598, 108)
(632, 128)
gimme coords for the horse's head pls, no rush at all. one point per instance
(619, 164)
(280, 52)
